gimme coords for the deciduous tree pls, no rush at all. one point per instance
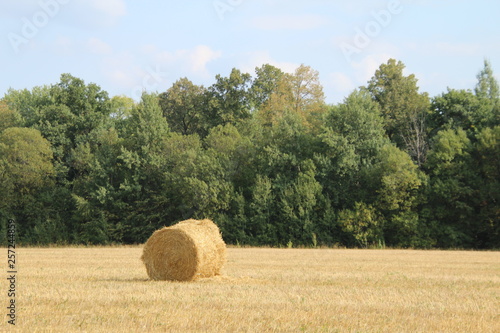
(404, 109)
(183, 106)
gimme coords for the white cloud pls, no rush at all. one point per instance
(97, 46)
(151, 69)
(341, 84)
(190, 61)
(64, 46)
(356, 7)
(365, 69)
(121, 78)
(289, 22)
(258, 58)
(458, 49)
(92, 14)
(448, 49)
(200, 57)
(18, 8)
(73, 12)
(111, 8)
(121, 69)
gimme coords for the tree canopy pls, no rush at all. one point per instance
(262, 155)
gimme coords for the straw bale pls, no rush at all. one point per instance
(186, 251)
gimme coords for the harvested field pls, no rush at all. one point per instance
(106, 289)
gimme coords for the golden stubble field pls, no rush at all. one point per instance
(105, 289)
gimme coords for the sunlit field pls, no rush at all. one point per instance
(262, 290)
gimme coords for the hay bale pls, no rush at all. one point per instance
(186, 251)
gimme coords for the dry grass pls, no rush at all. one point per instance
(263, 290)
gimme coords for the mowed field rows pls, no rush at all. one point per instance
(106, 289)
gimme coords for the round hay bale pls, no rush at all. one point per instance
(186, 251)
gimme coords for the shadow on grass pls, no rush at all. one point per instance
(224, 279)
(124, 280)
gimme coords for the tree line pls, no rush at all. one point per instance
(263, 156)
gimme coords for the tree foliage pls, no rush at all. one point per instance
(404, 109)
(263, 156)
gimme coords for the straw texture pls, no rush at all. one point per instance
(186, 251)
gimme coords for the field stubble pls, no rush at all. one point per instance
(282, 290)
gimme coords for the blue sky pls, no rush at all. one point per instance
(127, 46)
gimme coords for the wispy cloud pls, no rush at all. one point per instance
(122, 69)
(200, 57)
(97, 46)
(192, 61)
(94, 13)
(454, 49)
(339, 85)
(150, 68)
(256, 59)
(365, 69)
(449, 49)
(64, 46)
(289, 22)
(111, 8)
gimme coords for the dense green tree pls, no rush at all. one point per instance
(486, 183)
(88, 104)
(452, 110)
(183, 106)
(234, 152)
(488, 92)
(27, 103)
(264, 158)
(397, 186)
(297, 204)
(147, 127)
(364, 223)
(228, 99)
(460, 109)
(142, 162)
(308, 97)
(266, 83)
(404, 109)
(55, 123)
(300, 93)
(284, 194)
(450, 195)
(26, 159)
(121, 107)
(65, 113)
(487, 85)
(463, 194)
(26, 170)
(467, 110)
(261, 228)
(353, 136)
(278, 103)
(8, 117)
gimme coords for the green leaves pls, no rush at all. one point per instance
(399, 179)
(8, 117)
(183, 105)
(364, 223)
(228, 100)
(448, 145)
(264, 157)
(25, 158)
(487, 85)
(403, 108)
(147, 128)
